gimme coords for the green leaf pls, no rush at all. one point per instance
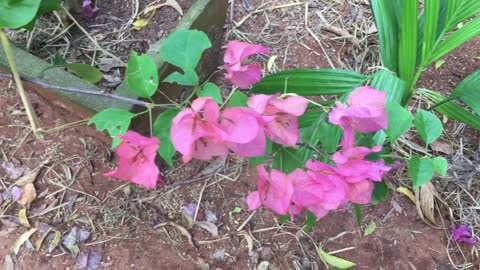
(284, 218)
(459, 11)
(452, 110)
(468, 91)
(408, 42)
(309, 221)
(370, 228)
(432, 12)
(388, 31)
(45, 6)
(440, 165)
(17, 13)
(115, 121)
(310, 82)
(184, 48)
(84, 71)
(211, 90)
(358, 214)
(188, 78)
(255, 161)
(462, 35)
(142, 75)
(238, 99)
(399, 120)
(420, 170)
(286, 159)
(428, 125)
(161, 130)
(380, 193)
(333, 260)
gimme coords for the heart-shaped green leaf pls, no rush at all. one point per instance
(440, 165)
(421, 170)
(161, 129)
(428, 125)
(211, 90)
(115, 121)
(399, 120)
(17, 13)
(142, 75)
(189, 78)
(238, 99)
(333, 260)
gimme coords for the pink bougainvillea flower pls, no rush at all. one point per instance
(196, 132)
(463, 234)
(137, 160)
(275, 191)
(280, 116)
(244, 128)
(365, 112)
(240, 75)
(319, 193)
(88, 10)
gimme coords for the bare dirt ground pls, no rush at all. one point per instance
(133, 228)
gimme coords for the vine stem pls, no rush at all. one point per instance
(32, 117)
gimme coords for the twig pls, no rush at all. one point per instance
(21, 91)
(89, 92)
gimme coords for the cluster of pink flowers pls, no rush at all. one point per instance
(203, 131)
(324, 187)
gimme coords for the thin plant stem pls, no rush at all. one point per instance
(150, 120)
(21, 91)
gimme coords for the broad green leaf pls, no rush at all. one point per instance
(309, 221)
(188, 78)
(370, 228)
(45, 6)
(17, 13)
(407, 58)
(333, 260)
(84, 71)
(238, 99)
(428, 125)
(380, 193)
(388, 31)
(440, 164)
(310, 82)
(432, 12)
(459, 11)
(184, 48)
(255, 161)
(284, 218)
(468, 91)
(457, 38)
(211, 90)
(286, 159)
(115, 121)
(161, 130)
(420, 170)
(399, 120)
(142, 75)
(452, 110)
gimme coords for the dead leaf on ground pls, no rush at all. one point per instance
(183, 231)
(28, 178)
(22, 216)
(8, 263)
(28, 195)
(442, 147)
(149, 12)
(21, 240)
(425, 197)
(210, 227)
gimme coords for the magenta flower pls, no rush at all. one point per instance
(137, 160)
(88, 10)
(463, 234)
(240, 75)
(275, 191)
(280, 116)
(365, 113)
(196, 132)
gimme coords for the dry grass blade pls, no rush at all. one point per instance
(425, 202)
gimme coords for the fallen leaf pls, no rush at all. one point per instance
(249, 240)
(263, 265)
(28, 178)
(211, 216)
(22, 215)
(425, 196)
(149, 12)
(210, 227)
(39, 242)
(370, 228)
(189, 219)
(439, 63)
(333, 260)
(70, 241)
(183, 231)
(28, 195)
(271, 62)
(442, 147)
(235, 210)
(405, 191)
(55, 241)
(89, 259)
(21, 240)
(8, 263)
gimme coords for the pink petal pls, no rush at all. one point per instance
(253, 201)
(246, 76)
(255, 148)
(182, 133)
(259, 102)
(283, 130)
(208, 107)
(237, 51)
(279, 193)
(360, 192)
(294, 105)
(205, 149)
(240, 124)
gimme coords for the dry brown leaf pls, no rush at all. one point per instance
(149, 12)
(39, 242)
(183, 231)
(28, 195)
(210, 227)
(442, 147)
(22, 215)
(8, 263)
(21, 240)
(249, 240)
(425, 198)
(28, 178)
